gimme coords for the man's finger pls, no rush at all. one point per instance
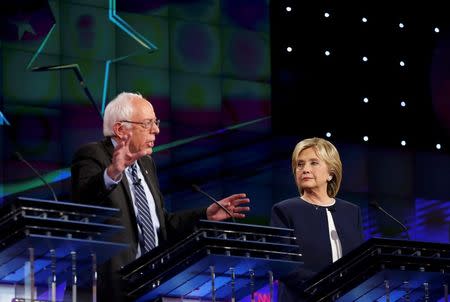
(241, 209)
(241, 201)
(127, 139)
(137, 155)
(234, 197)
(120, 144)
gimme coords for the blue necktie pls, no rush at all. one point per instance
(144, 217)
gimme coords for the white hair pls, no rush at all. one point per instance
(119, 109)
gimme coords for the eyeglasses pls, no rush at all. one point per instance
(146, 124)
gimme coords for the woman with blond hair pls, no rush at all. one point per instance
(325, 227)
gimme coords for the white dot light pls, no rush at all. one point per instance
(438, 146)
(403, 143)
(402, 63)
(403, 103)
(288, 8)
(327, 53)
(365, 100)
(365, 59)
(328, 134)
(326, 15)
(364, 19)
(436, 29)
(401, 25)
(365, 138)
(289, 49)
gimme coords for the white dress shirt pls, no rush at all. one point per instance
(336, 248)
(109, 182)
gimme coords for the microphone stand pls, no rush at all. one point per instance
(197, 189)
(377, 206)
(20, 157)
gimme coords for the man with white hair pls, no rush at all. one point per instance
(119, 172)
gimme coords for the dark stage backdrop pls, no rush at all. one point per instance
(372, 77)
(219, 77)
(204, 64)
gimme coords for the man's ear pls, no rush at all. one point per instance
(118, 130)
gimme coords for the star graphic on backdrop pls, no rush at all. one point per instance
(23, 22)
(148, 47)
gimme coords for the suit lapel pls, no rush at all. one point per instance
(340, 219)
(150, 177)
(148, 171)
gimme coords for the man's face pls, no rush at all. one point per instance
(142, 138)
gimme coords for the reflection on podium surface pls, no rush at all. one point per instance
(220, 261)
(50, 250)
(384, 269)
(233, 262)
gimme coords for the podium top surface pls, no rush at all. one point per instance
(55, 230)
(375, 262)
(231, 248)
(242, 227)
(222, 235)
(61, 205)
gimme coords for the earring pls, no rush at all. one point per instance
(330, 178)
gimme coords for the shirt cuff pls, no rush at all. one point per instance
(109, 182)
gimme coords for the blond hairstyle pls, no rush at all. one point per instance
(327, 152)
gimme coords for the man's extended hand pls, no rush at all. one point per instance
(234, 204)
(123, 157)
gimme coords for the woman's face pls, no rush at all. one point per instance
(311, 173)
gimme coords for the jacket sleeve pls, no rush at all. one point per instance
(278, 217)
(177, 224)
(291, 283)
(87, 169)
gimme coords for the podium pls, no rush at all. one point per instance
(385, 270)
(46, 243)
(219, 261)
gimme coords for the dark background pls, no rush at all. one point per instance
(233, 102)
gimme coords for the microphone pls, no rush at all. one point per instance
(197, 189)
(376, 205)
(20, 157)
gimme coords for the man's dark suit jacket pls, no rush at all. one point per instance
(310, 226)
(88, 186)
